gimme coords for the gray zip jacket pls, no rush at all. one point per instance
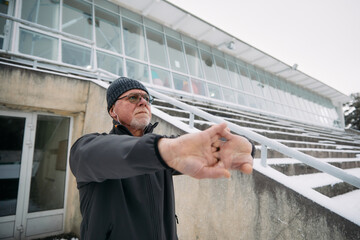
(126, 188)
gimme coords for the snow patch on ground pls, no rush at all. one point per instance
(321, 179)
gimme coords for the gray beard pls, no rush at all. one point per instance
(139, 124)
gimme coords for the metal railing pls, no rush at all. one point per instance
(265, 142)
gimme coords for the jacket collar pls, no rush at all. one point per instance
(118, 128)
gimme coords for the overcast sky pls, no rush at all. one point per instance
(321, 36)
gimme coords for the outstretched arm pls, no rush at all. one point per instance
(205, 155)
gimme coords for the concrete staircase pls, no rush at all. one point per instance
(335, 146)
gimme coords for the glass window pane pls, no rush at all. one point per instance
(193, 60)
(208, 65)
(160, 77)
(107, 5)
(134, 40)
(108, 32)
(3, 9)
(272, 88)
(44, 12)
(234, 76)
(245, 80)
(253, 102)
(181, 83)
(222, 71)
(281, 90)
(110, 63)
(157, 50)
(137, 71)
(214, 91)
(176, 55)
(199, 87)
(265, 86)
(279, 108)
(229, 95)
(271, 106)
(37, 44)
(153, 25)
(75, 54)
(77, 18)
(11, 145)
(256, 84)
(242, 99)
(49, 164)
(131, 15)
(172, 33)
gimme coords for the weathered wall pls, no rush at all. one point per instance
(252, 207)
(36, 91)
(32, 91)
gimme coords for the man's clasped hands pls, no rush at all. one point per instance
(208, 154)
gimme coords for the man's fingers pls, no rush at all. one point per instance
(216, 129)
(226, 134)
(216, 155)
(246, 168)
(213, 172)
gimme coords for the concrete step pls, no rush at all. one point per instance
(286, 193)
(323, 153)
(218, 111)
(320, 151)
(267, 126)
(325, 184)
(293, 168)
(333, 190)
(302, 137)
(321, 145)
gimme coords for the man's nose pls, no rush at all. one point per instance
(142, 101)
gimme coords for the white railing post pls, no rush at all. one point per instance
(191, 120)
(274, 145)
(264, 155)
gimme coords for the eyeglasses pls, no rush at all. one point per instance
(136, 98)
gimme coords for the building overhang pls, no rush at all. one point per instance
(182, 21)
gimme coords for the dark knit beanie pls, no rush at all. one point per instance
(119, 86)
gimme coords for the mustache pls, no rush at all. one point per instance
(143, 109)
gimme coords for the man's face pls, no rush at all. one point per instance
(134, 116)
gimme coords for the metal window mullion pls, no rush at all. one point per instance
(123, 46)
(186, 64)
(15, 28)
(93, 61)
(203, 75)
(237, 69)
(146, 50)
(168, 58)
(191, 119)
(217, 76)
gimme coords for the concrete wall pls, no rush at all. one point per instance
(252, 207)
(243, 207)
(32, 91)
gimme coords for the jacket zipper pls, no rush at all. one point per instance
(153, 211)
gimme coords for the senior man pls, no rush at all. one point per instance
(124, 178)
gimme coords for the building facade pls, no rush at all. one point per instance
(67, 41)
(102, 36)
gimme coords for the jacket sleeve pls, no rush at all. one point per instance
(97, 157)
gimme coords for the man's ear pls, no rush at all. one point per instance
(112, 113)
